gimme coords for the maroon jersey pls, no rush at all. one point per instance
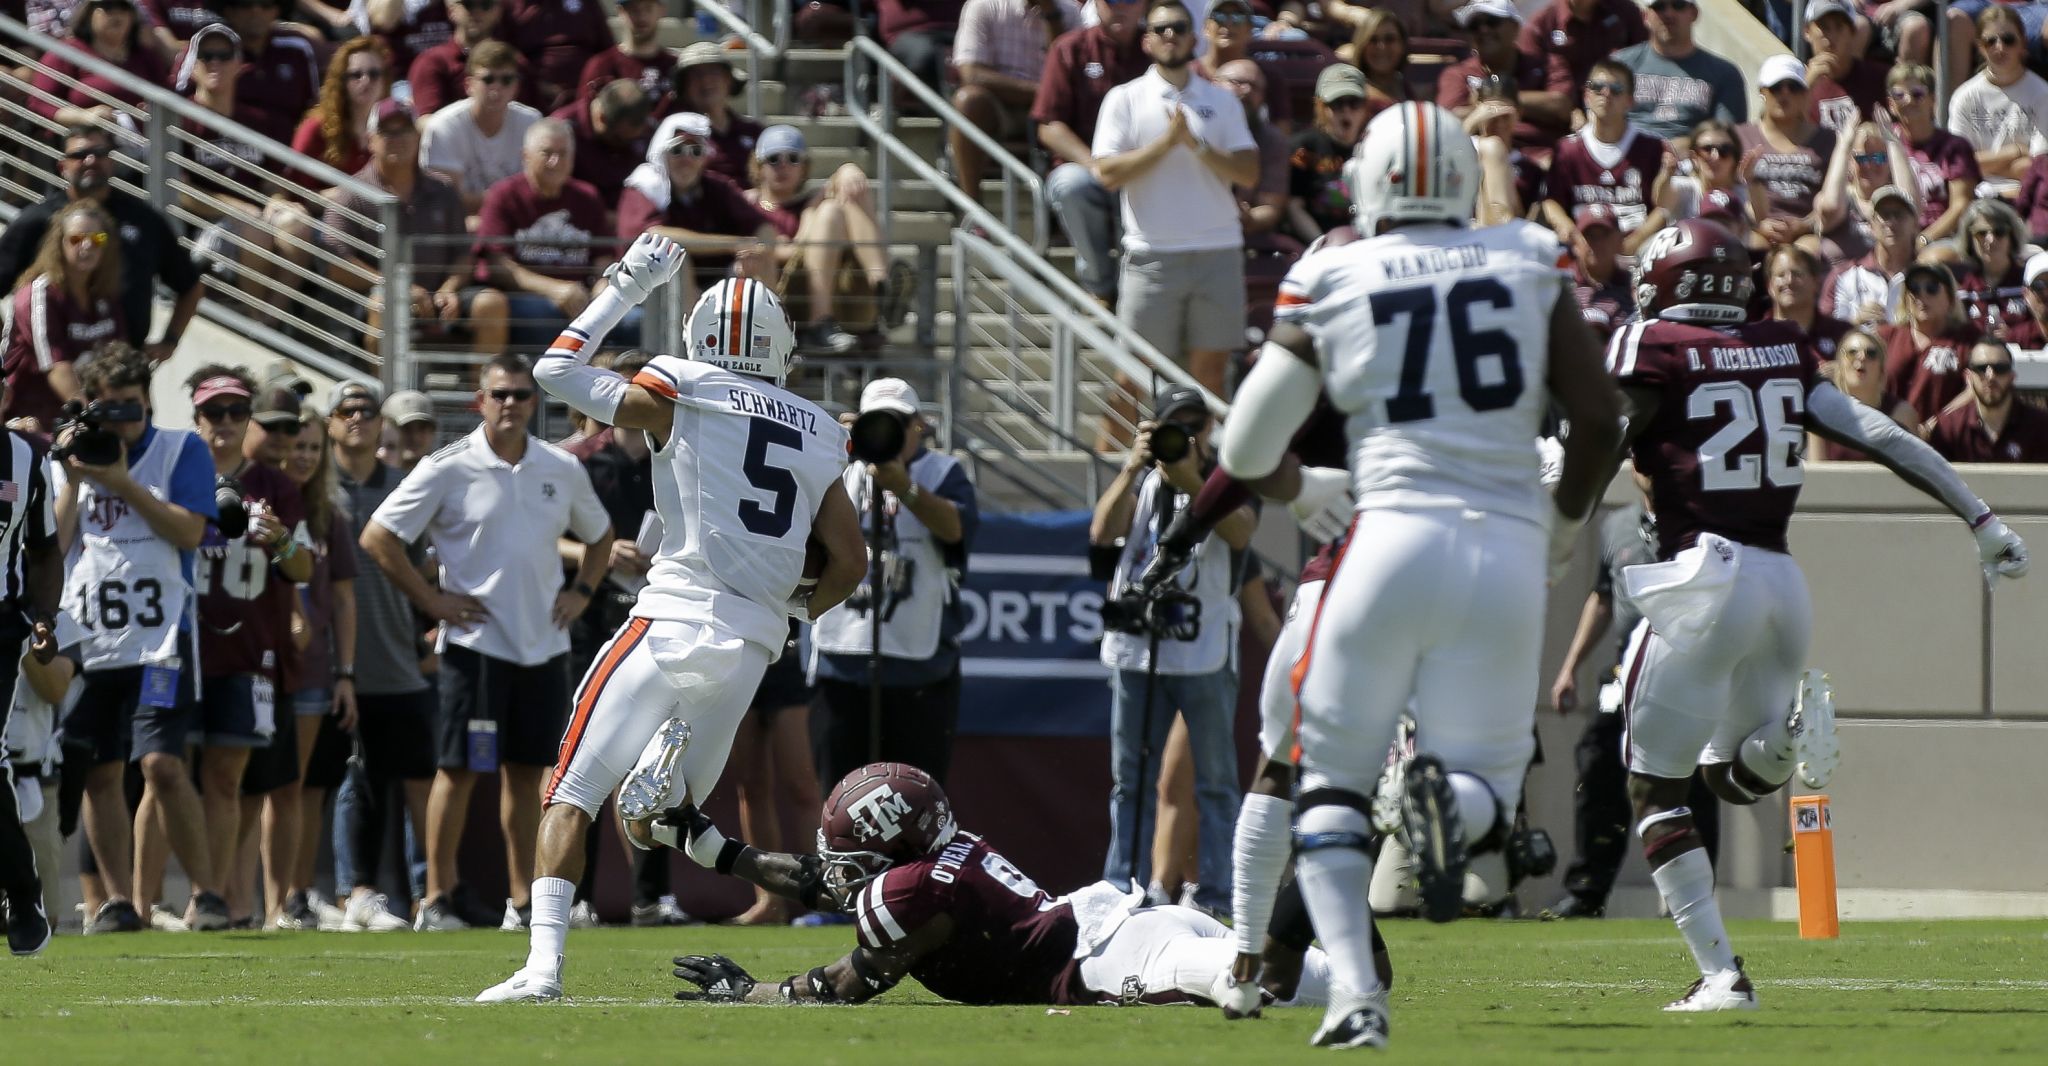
(1623, 183)
(1928, 378)
(652, 75)
(1840, 103)
(1605, 306)
(1011, 942)
(1941, 158)
(46, 327)
(1723, 452)
(1962, 437)
(559, 36)
(1791, 179)
(245, 605)
(1080, 68)
(548, 236)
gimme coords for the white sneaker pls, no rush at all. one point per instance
(515, 918)
(1813, 730)
(1362, 1024)
(332, 919)
(583, 916)
(1727, 990)
(1386, 799)
(525, 987)
(372, 914)
(165, 920)
(437, 917)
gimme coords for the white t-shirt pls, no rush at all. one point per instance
(1993, 116)
(1180, 205)
(451, 142)
(495, 526)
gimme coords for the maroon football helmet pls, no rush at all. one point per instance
(877, 816)
(1693, 271)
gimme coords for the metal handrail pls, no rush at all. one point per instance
(1015, 172)
(159, 118)
(758, 47)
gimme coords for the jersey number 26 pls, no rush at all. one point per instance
(1778, 406)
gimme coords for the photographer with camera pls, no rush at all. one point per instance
(133, 502)
(927, 523)
(1190, 620)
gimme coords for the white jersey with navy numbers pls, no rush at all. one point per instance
(737, 484)
(1434, 342)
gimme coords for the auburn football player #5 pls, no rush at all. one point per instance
(1444, 346)
(939, 904)
(745, 472)
(1719, 409)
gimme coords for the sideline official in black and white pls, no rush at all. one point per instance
(28, 613)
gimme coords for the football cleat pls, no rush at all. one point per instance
(1812, 725)
(647, 789)
(1727, 990)
(28, 927)
(1362, 1026)
(1386, 799)
(371, 914)
(1435, 835)
(525, 987)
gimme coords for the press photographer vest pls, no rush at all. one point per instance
(125, 584)
(1207, 575)
(912, 632)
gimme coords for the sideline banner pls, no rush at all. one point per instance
(1033, 627)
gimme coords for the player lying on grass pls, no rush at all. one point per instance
(934, 902)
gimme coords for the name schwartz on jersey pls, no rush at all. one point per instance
(749, 402)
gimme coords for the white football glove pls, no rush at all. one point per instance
(648, 265)
(2000, 550)
(1324, 507)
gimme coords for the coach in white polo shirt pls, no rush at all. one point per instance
(496, 505)
(1174, 143)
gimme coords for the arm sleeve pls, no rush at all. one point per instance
(1273, 401)
(411, 507)
(192, 479)
(564, 370)
(1873, 432)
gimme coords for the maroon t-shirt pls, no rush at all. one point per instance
(182, 17)
(1081, 67)
(733, 146)
(547, 236)
(1926, 379)
(1734, 469)
(1011, 942)
(232, 166)
(1577, 178)
(716, 205)
(1961, 437)
(1988, 303)
(1533, 73)
(311, 140)
(416, 32)
(1941, 158)
(245, 605)
(46, 327)
(559, 36)
(1840, 103)
(334, 559)
(2033, 202)
(1791, 179)
(143, 62)
(612, 65)
(898, 17)
(1615, 25)
(276, 87)
(598, 163)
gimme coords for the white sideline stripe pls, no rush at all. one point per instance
(998, 563)
(1835, 984)
(1056, 669)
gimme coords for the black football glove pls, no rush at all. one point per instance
(718, 979)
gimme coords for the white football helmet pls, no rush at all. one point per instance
(1414, 164)
(740, 325)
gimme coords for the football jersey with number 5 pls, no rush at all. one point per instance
(736, 486)
(1434, 343)
(1725, 452)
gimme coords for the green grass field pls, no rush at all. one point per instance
(1466, 993)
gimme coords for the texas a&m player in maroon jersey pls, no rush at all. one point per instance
(1715, 674)
(934, 902)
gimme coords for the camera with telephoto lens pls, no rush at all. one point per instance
(878, 436)
(1171, 612)
(92, 443)
(1170, 442)
(233, 507)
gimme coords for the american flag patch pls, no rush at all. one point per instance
(10, 492)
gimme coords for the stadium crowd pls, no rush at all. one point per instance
(526, 140)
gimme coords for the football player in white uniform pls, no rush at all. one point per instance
(1437, 341)
(747, 476)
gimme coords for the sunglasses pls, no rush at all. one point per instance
(1481, 25)
(511, 395)
(1927, 288)
(355, 411)
(783, 159)
(78, 155)
(1999, 40)
(1716, 149)
(1603, 87)
(80, 240)
(477, 5)
(212, 56)
(1985, 234)
(496, 79)
(1907, 96)
(1786, 86)
(1170, 29)
(1872, 159)
(1991, 369)
(1234, 18)
(216, 412)
(690, 149)
(364, 75)
(1862, 352)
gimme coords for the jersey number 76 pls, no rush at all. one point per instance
(1413, 402)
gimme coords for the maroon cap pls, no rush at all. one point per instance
(1589, 215)
(387, 109)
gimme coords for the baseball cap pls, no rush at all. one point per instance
(1890, 192)
(1219, 5)
(2036, 267)
(1817, 8)
(779, 139)
(213, 29)
(889, 394)
(408, 406)
(218, 386)
(1340, 81)
(276, 405)
(704, 54)
(1929, 268)
(1175, 399)
(1779, 69)
(284, 376)
(1589, 215)
(386, 110)
(681, 124)
(355, 390)
(1500, 9)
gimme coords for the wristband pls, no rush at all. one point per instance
(821, 989)
(1983, 520)
(584, 590)
(344, 673)
(284, 553)
(728, 854)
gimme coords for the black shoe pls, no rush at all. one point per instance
(28, 928)
(893, 302)
(1435, 835)
(826, 338)
(1363, 1027)
(1573, 906)
(209, 912)
(116, 916)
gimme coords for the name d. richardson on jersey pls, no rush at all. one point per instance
(1763, 358)
(748, 402)
(1433, 261)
